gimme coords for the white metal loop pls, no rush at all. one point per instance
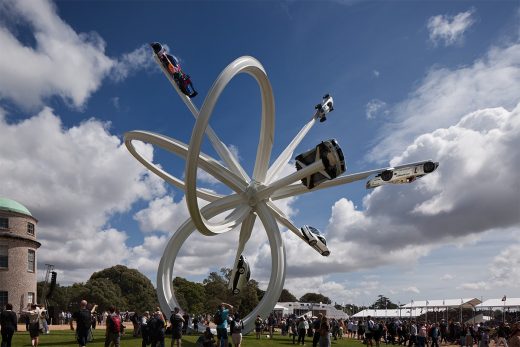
(252, 67)
(165, 290)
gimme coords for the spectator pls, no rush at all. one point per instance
(143, 327)
(271, 322)
(83, 319)
(8, 323)
(371, 327)
(303, 325)
(156, 329)
(502, 334)
(514, 336)
(258, 327)
(324, 331)
(114, 328)
(222, 335)
(316, 326)
(177, 323)
(195, 322)
(236, 327)
(34, 324)
(207, 339)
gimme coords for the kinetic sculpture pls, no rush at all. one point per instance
(252, 196)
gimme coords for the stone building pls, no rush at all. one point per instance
(18, 247)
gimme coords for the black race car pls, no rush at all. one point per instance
(333, 160)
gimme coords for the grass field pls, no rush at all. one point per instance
(66, 338)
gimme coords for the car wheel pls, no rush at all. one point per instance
(241, 270)
(387, 175)
(428, 167)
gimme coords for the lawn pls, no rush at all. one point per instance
(66, 338)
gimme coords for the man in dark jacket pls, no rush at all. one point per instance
(8, 323)
(83, 319)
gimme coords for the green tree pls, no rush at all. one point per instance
(287, 296)
(383, 302)
(137, 292)
(315, 298)
(190, 295)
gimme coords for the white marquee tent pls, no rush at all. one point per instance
(404, 313)
(444, 303)
(509, 302)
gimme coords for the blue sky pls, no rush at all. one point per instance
(411, 80)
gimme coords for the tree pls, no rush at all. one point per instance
(287, 296)
(383, 302)
(190, 295)
(136, 289)
(315, 298)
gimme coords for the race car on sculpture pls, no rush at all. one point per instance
(315, 240)
(239, 276)
(326, 106)
(174, 69)
(402, 174)
(330, 154)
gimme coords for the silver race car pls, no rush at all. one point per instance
(326, 106)
(240, 276)
(315, 240)
(403, 174)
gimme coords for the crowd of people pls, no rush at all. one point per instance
(153, 328)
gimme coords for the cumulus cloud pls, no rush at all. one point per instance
(412, 289)
(129, 63)
(446, 95)
(374, 107)
(450, 29)
(73, 180)
(61, 62)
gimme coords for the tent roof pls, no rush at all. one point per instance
(280, 307)
(465, 303)
(405, 313)
(499, 303)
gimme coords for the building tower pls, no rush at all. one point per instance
(18, 247)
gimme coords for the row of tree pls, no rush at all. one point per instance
(130, 290)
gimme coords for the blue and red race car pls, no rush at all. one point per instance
(173, 67)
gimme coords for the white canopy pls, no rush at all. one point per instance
(465, 303)
(405, 313)
(509, 302)
(280, 307)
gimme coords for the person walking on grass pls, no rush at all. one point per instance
(113, 330)
(8, 323)
(83, 319)
(177, 324)
(34, 324)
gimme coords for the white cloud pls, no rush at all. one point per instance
(162, 214)
(129, 63)
(450, 29)
(374, 107)
(62, 62)
(446, 95)
(412, 289)
(480, 286)
(73, 180)
(446, 277)
(376, 73)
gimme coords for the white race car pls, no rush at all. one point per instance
(403, 174)
(333, 160)
(326, 106)
(315, 240)
(240, 276)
